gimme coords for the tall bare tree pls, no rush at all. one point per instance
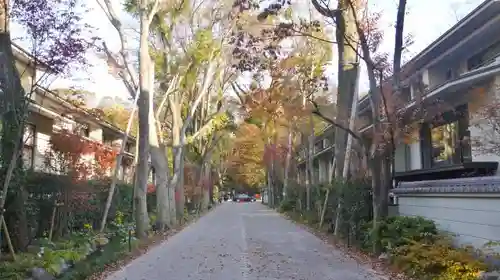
(143, 83)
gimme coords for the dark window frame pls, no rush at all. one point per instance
(483, 56)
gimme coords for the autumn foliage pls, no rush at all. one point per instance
(79, 157)
(246, 160)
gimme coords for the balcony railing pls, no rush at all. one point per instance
(494, 59)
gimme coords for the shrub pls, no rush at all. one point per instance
(96, 263)
(400, 230)
(310, 217)
(437, 260)
(286, 205)
(416, 248)
(52, 261)
(357, 208)
(18, 270)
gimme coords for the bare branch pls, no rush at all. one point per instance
(117, 24)
(318, 113)
(324, 10)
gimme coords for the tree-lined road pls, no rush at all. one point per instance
(244, 241)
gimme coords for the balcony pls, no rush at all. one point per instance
(448, 89)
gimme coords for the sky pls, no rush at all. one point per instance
(426, 20)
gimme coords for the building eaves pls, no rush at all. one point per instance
(417, 62)
(82, 111)
(483, 7)
(27, 58)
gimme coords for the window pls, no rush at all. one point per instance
(29, 146)
(442, 140)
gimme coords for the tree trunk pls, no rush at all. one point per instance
(398, 44)
(177, 181)
(142, 218)
(205, 187)
(385, 185)
(327, 195)
(398, 50)
(118, 165)
(288, 161)
(272, 181)
(346, 28)
(164, 200)
(373, 155)
(375, 167)
(13, 113)
(348, 153)
(310, 160)
(159, 160)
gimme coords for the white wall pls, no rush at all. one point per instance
(475, 219)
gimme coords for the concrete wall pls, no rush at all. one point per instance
(467, 208)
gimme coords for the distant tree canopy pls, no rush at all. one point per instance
(118, 115)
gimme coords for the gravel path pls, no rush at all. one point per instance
(244, 241)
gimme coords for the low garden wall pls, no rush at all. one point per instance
(468, 208)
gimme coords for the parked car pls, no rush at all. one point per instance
(243, 198)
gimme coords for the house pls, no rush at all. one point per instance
(323, 154)
(440, 173)
(49, 113)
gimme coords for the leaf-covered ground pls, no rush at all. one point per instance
(245, 241)
(379, 266)
(141, 249)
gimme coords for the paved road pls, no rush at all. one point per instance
(244, 241)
